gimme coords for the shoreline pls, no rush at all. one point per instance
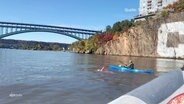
(132, 56)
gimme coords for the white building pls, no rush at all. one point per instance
(151, 6)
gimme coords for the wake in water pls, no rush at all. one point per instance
(105, 70)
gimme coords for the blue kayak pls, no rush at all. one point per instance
(125, 69)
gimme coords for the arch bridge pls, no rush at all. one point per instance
(12, 28)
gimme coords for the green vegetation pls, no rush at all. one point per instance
(94, 42)
(180, 5)
(91, 44)
(108, 28)
(32, 45)
(177, 6)
(165, 13)
(120, 26)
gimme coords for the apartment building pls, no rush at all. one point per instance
(151, 6)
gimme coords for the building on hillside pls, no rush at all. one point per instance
(150, 7)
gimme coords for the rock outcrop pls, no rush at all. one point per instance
(144, 39)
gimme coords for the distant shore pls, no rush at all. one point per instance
(32, 45)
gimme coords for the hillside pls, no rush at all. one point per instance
(32, 45)
(158, 36)
(141, 40)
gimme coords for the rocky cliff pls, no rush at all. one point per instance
(155, 37)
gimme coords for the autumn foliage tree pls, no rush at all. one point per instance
(104, 38)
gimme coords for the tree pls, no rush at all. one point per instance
(165, 14)
(180, 6)
(146, 17)
(108, 28)
(90, 44)
(116, 27)
(55, 47)
(125, 24)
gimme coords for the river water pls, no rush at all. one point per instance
(47, 77)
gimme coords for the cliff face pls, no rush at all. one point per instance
(155, 37)
(134, 42)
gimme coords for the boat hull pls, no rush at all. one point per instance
(164, 89)
(125, 69)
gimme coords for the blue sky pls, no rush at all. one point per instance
(87, 14)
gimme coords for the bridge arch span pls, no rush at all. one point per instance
(39, 30)
(12, 28)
